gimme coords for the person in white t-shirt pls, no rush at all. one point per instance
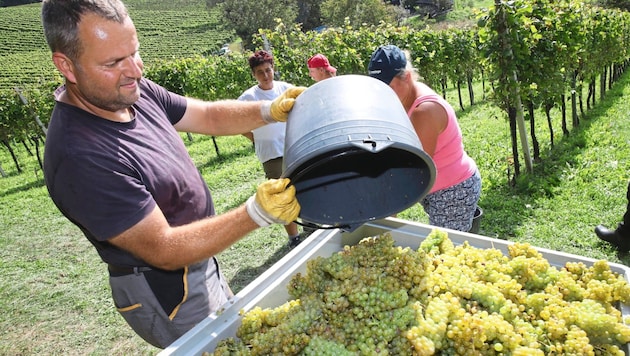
(269, 139)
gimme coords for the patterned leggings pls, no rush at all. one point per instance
(454, 207)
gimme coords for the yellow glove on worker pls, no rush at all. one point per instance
(278, 109)
(273, 203)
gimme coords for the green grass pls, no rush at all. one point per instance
(54, 291)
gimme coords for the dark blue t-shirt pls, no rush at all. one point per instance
(107, 176)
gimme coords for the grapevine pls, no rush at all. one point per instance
(376, 298)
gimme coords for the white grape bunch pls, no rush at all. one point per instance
(375, 298)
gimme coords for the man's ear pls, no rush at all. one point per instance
(65, 66)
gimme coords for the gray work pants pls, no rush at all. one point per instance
(199, 290)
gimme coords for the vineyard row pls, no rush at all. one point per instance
(532, 54)
(178, 29)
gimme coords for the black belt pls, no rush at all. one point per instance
(117, 271)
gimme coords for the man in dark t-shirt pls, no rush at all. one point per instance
(116, 167)
(125, 169)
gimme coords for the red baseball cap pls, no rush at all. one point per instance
(320, 61)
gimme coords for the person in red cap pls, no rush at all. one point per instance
(319, 68)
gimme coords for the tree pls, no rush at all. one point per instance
(616, 4)
(309, 14)
(245, 17)
(358, 12)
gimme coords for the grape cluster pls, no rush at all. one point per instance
(376, 298)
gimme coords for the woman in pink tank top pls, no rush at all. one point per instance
(452, 201)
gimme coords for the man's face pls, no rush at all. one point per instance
(264, 75)
(109, 68)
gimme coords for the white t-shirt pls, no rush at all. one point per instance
(269, 139)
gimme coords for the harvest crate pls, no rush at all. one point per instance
(269, 289)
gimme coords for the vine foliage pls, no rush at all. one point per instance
(539, 53)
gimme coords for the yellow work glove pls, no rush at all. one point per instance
(273, 203)
(278, 109)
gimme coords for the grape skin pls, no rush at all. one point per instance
(375, 298)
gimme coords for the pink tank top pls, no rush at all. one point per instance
(452, 164)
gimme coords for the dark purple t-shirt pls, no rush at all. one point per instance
(106, 176)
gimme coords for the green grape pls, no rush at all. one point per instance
(229, 347)
(321, 347)
(436, 242)
(375, 298)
